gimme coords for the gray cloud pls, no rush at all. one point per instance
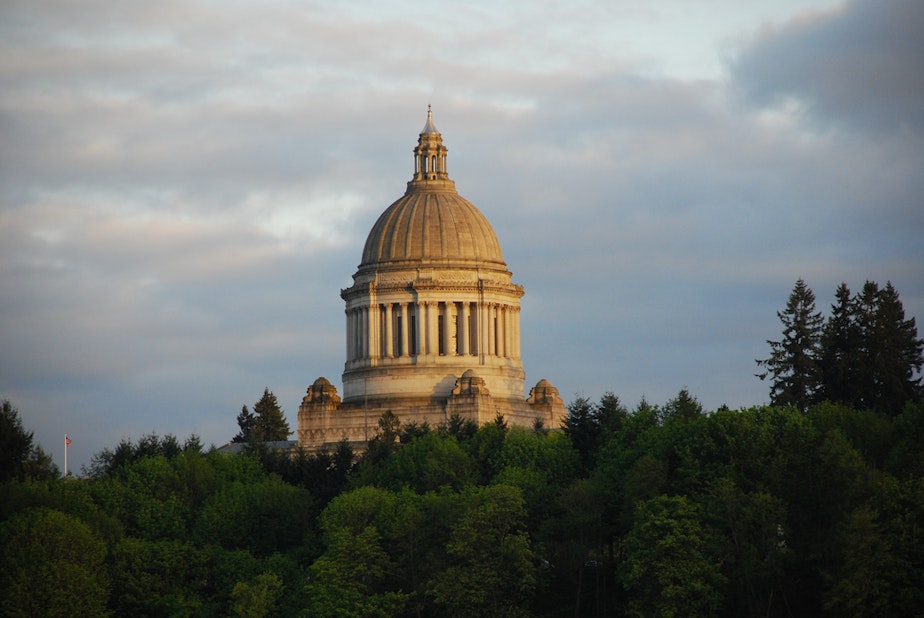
(857, 64)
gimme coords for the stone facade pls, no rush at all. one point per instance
(432, 321)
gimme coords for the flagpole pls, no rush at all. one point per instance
(66, 442)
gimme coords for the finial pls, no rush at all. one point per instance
(429, 127)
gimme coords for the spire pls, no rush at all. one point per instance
(430, 158)
(429, 127)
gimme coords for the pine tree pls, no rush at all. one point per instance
(894, 353)
(793, 363)
(581, 428)
(270, 424)
(267, 422)
(246, 421)
(840, 351)
(864, 319)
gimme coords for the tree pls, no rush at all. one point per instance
(491, 571)
(582, 427)
(793, 362)
(246, 421)
(267, 422)
(52, 566)
(109, 462)
(19, 457)
(610, 415)
(351, 577)
(682, 408)
(15, 443)
(840, 348)
(893, 352)
(667, 570)
(258, 598)
(870, 354)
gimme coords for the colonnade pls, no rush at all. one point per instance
(432, 328)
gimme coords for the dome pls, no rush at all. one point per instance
(427, 225)
(432, 224)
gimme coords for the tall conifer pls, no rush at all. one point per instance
(793, 362)
(894, 354)
(840, 351)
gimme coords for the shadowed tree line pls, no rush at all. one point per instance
(658, 510)
(865, 355)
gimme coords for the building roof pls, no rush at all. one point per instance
(432, 223)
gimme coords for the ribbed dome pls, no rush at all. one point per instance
(432, 225)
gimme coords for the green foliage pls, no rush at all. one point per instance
(323, 473)
(110, 462)
(491, 571)
(485, 448)
(683, 408)
(52, 566)
(349, 579)
(19, 458)
(159, 578)
(256, 598)
(15, 443)
(259, 517)
(669, 570)
(867, 355)
(764, 511)
(840, 361)
(589, 425)
(267, 422)
(890, 351)
(793, 362)
(429, 463)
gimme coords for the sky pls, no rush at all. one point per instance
(186, 186)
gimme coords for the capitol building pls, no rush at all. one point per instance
(432, 321)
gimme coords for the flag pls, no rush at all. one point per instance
(67, 441)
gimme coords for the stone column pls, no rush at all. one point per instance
(421, 328)
(404, 332)
(508, 332)
(516, 332)
(349, 336)
(389, 331)
(447, 329)
(433, 346)
(492, 330)
(463, 334)
(502, 327)
(364, 332)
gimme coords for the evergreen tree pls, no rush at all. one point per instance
(270, 424)
(20, 458)
(267, 422)
(840, 351)
(870, 354)
(894, 354)
(246, 421)
(864, 318)
(682, 408)
(610, 415)
(581, 427)
(15, 443)
(793, 363)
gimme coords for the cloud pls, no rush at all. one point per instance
(858, 65)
